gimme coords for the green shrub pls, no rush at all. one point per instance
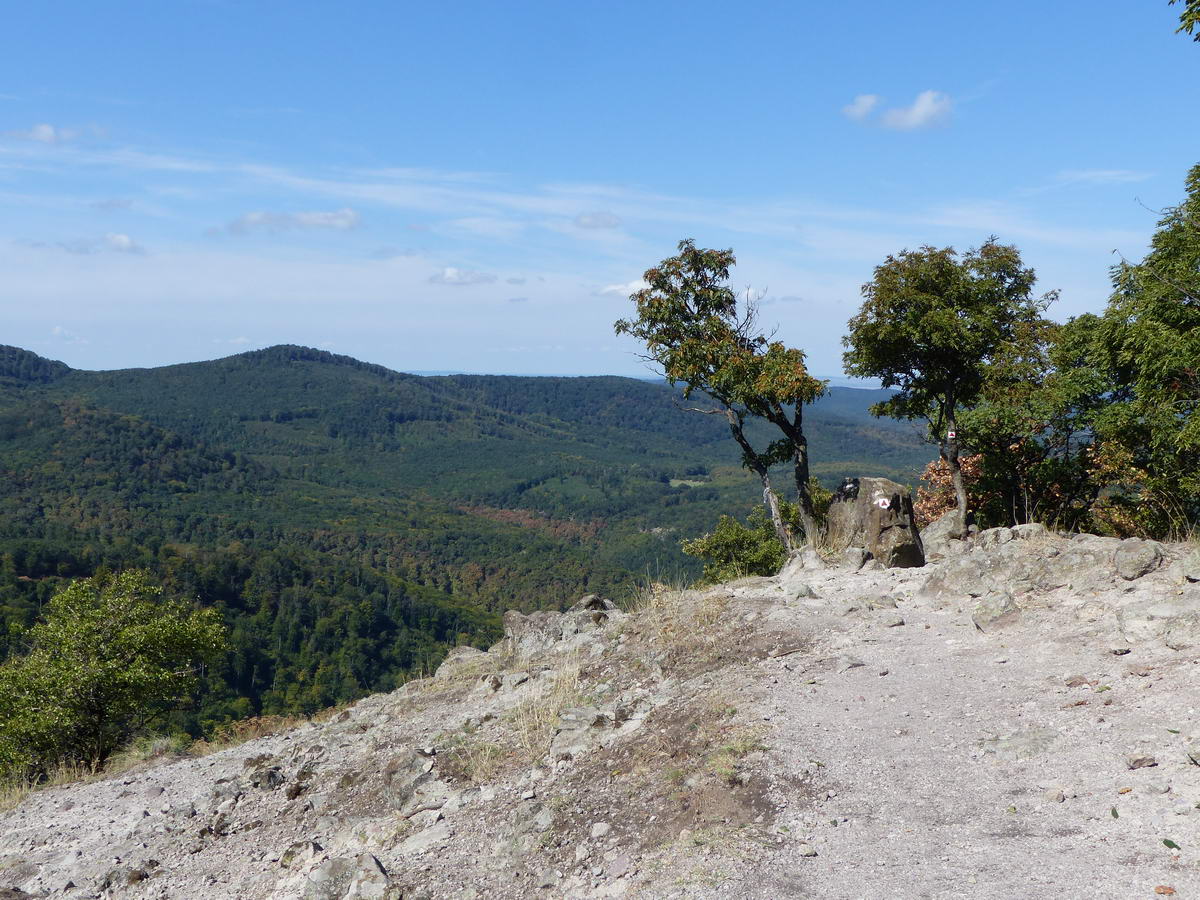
(736, 549)
(111, 654)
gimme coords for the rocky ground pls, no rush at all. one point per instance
(1016, 719)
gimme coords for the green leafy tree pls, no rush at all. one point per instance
(1189, 18)
(931, 324)
(1149, 340)
(703, 337)
(111, 654)
(1032, 426)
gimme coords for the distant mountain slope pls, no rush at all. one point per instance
(290, 485)
(24, 367)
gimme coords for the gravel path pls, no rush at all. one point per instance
(943, 758)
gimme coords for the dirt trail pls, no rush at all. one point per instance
(944, 755)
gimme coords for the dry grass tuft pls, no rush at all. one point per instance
(14, 790)
(680, 627)
(536, 717)
(239, 732)
(475, 761)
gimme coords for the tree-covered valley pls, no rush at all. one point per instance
(348, 522)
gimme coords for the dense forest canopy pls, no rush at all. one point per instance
(350, 522)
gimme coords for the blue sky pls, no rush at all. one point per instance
(478, 186)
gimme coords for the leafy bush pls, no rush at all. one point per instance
(735, 549)
(111, 654)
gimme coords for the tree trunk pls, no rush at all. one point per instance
(772, 504)
(754, 462)
(950, 447)
(808, 516)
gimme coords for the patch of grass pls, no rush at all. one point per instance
(475, 761)
(148, 748)
(536, 717)
(725, 761)
(678, 627)
(231, 734)
(14, 790)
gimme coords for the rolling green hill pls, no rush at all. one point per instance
(351, 522)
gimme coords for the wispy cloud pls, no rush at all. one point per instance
(113, 242)
(458, 277)
(63, 336)
(622, 290)
(111, 204)
(597, 220)
(929, 109)
(1101, 176)
(861, 107)
(338, 220)
(43, 133)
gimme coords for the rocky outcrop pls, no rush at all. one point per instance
(876, 514)
(754, 739)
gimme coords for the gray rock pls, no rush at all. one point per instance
(1021, 745)
(300, 855)
(402, 776)
(343, 878)
(806, 850)
(456, 660)
(938, 537)
(600, 829)
(995, 610)
(993, 537)
(793, 577)
(1189, 566)
(879, 518)
(1135, 558)
(577, 730)
(1174, 620)
(1140, 761)
(811, 559)
(422, 841)
(1030, 531)
(854, 558)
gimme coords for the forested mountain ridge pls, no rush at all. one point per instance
(351, 521)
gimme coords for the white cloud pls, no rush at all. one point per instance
(861, 107)
(339, 220)
(597, 220)
(622, 290)
(63, 336)
(121, 243)
(516, 279)
(518, 299)
(44, 134)
(239, 340)
(451, 275)
(930, 108)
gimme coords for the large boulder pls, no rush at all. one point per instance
(940, 538)
(877, 515)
